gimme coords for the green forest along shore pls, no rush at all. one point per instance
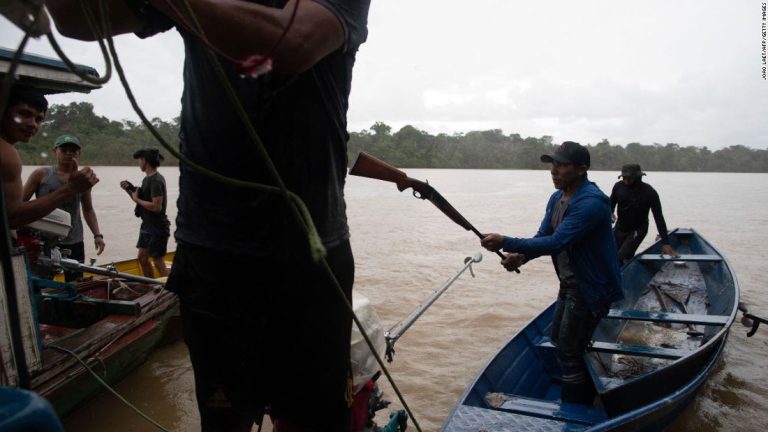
(110, 142)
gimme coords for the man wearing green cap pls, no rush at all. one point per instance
(46, 180)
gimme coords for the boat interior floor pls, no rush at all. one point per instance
(668, 321)
(547, 409)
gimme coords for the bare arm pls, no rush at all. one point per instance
(236, 27)
(21, 213)
(68, 16)
(89, 214)
(32, 184)
(155, 206)
(241, 29)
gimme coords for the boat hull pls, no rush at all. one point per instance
(119, 332)
(519, 388)
(74, 385)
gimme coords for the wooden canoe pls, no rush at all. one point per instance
(113, 333)
(649, 356)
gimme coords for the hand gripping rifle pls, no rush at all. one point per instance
(368, 166)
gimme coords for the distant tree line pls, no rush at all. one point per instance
(104, 141)
(410, 147)
(109, 142)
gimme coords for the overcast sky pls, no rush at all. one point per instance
(688, 72)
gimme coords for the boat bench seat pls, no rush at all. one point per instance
(654, 316)
(639, 350)
(627, 349)
(560, 411)
(690, 258)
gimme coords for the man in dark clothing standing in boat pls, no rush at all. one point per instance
(46, 180)
(634, 199)
(576, 233)
(151, 202)
(265, 324)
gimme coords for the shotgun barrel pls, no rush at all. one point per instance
(366, 165)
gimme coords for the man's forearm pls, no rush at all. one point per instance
(240, 29)
(70, 21)
(237, 28)
(149, 205)
(26, 212)
(92, 221)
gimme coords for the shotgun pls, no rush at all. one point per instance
(368, 166)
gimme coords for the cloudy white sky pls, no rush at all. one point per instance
(688, 72)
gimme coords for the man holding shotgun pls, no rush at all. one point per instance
(576, 233)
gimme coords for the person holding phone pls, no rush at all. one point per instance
(151, 202)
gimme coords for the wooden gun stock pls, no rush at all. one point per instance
(368, 166)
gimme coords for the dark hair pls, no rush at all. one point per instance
(29, 95)
(152, 156)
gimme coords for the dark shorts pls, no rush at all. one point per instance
(155, 244)
(77, 252)
(627, 243)
(266, 332)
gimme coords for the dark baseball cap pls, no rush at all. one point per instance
(632, 171)
(66, 139)
(150, 155)
(569, 152)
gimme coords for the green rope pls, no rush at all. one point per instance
(91, 20)
(300, 211)
(108, 387)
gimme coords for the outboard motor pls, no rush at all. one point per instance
(365, 370)
(39, 239)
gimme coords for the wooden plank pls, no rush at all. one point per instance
(684, 257)
(668, 317)
(93, 338)
(639, 350)
(120, 307)
(30, 332)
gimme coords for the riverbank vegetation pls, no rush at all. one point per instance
(110, 142)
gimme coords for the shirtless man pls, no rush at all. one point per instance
(21, 121)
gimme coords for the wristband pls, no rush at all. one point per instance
(101, 236)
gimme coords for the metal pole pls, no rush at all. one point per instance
(75, 265)
(398, 329)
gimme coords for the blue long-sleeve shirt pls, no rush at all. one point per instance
(585, 233)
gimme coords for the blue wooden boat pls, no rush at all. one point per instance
(649, 356)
